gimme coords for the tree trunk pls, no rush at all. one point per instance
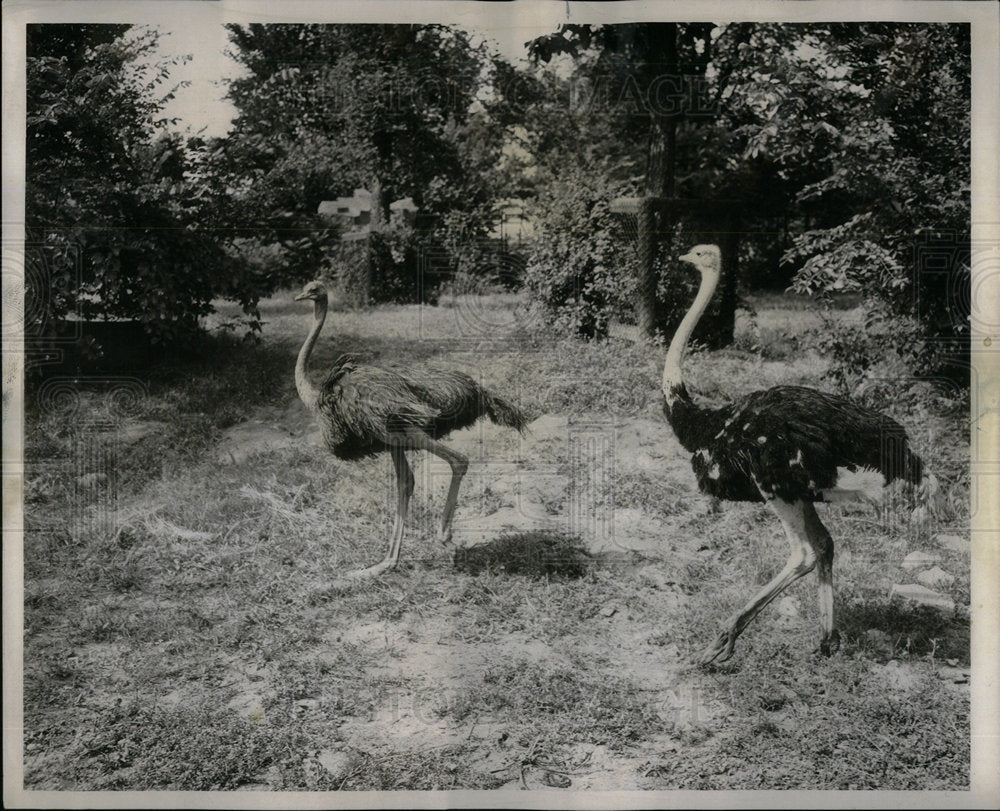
(661, 160)
(660, 172)
(383, 188)
(378, 204)
(646, 310)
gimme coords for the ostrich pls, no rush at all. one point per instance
(789, 447)
(364, 410)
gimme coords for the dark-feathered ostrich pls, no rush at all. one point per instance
(789, 447)
(364, 410)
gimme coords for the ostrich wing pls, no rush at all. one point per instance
(790, 441)
(363, 405)
(457, 398)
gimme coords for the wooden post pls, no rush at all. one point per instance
(646, 303)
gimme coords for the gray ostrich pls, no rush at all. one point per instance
(363, 410)
(789, 447)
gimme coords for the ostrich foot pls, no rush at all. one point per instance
(721, 648)
(830, 643)
(349, 579)
(444, 536)
(370, 571)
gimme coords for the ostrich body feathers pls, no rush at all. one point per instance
(790, 442)
(362, 405)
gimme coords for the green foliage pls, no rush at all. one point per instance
(266, 220)
(191, 749)
(380, 267)
(867, 128)
(326, 109)
(880, 359)
(395, 267)
(112, 208)
(582, 268)
(846, 145)
(349, 267)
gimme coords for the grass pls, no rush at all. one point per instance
(560, 704)
(178, 632)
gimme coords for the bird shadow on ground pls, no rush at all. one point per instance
(538, 553)
(917, 630)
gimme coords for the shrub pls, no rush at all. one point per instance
(382, 266)
(582, 271)
(871, 358)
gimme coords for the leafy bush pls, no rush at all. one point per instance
(471, 254)
(382, 266)
(890, 213)
(395, 259)
(349, 267)
(876, 358)
(115, 219)
(404, 264)
(582, 271)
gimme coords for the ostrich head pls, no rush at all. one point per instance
(707, 258)
(313, 290)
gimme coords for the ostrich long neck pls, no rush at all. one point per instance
(673, 382)
(309, 393)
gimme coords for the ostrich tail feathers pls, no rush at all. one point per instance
(503, 412)
(884, 446)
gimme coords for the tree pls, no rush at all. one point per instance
(863, 130)
(651, 73)
(846, 148)
(110, 202)
(384, 107)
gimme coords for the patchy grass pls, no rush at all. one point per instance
(179, 633)
(851, 729)
(561, 704)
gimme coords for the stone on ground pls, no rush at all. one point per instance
(935, 578)
(923, 596)
(920, 560)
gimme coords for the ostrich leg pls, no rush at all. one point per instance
(404, 490)
(822, 544)
(415, 438)
(801, 561)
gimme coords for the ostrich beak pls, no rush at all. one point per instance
(301, 296)
(688, 257)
